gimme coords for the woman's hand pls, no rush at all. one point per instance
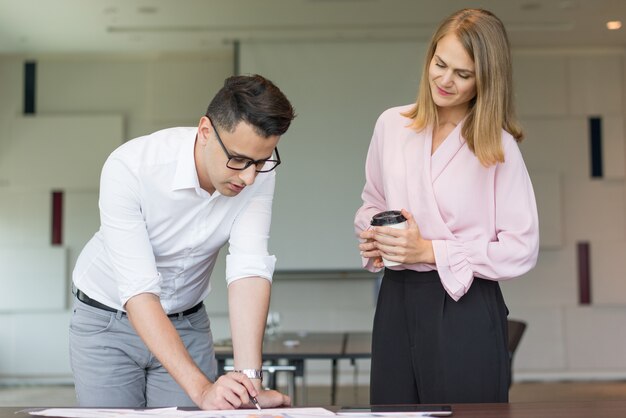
(404, 246)
(368, 248)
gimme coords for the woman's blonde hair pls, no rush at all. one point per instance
(484, 38)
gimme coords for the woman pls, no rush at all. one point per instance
(452, 164)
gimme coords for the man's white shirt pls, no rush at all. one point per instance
(161, 233)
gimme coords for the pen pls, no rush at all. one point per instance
(255, 402)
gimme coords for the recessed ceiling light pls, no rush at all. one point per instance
(613, 24)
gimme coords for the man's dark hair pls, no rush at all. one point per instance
(255, 100)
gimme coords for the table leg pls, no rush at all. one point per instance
(333, 383)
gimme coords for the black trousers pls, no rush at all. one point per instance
(427, 348)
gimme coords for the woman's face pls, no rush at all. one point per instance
(451, 75)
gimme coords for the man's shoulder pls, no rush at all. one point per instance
(159, 146)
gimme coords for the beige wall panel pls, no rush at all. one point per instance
(32, 278)
(542, 347)
(6, 341)
(613, 152)
(595, 84)
(81, 221)
(552, 283)
(25, 217)
(173, 102)
(94, 85)
(540, 84)
(91, 85)
(547, 186)
(28, 334)
(65, 152)
(608, 272)
(596, 338)
(164, 91)
(11, 85)
(558, 145)
(593, 210)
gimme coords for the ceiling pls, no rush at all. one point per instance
(114, 26)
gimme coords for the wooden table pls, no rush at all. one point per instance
(358, 345)
(597, 409)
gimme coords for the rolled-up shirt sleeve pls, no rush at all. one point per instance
(124, 231)
(248, 254)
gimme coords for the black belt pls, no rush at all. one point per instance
(80, 295)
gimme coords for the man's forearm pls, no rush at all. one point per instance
(156, 330)
(248, 301)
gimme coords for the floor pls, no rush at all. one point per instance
(347, 395)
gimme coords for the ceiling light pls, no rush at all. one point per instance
(613, 24)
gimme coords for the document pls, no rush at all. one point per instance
(395, 414)
(179, 413)
(397, 411)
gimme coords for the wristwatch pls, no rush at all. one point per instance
(251, 373)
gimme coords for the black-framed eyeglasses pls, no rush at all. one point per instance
(241, 163)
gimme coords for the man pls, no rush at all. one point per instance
(139, 334)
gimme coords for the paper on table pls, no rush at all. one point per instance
(360, 414)
(179, 413)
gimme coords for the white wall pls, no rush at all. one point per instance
(556, 92)
(338, 90)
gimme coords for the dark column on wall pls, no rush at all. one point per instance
(30, 76)
(584, 273)
(595, 147)
(57, 218)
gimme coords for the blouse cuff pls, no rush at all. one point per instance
(368, 264)
(453, 267)
(240, 266)
(129, 290)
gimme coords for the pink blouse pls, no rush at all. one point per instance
(482, 221)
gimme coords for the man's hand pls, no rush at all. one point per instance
(234, 390)
(273, 399)
(230, 391)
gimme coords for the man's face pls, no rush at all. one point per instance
(211, 159)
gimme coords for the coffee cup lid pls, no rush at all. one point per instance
(389, 217)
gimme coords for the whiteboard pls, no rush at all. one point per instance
(338, 90)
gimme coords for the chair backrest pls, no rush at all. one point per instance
(516, 330)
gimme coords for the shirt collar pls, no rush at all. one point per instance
(186, 176)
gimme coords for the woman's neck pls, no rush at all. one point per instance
(450, 116)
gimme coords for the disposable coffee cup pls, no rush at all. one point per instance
(393, 219)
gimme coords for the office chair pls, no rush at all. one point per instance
(516, 330)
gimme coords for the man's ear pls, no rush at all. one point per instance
(204, 130)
